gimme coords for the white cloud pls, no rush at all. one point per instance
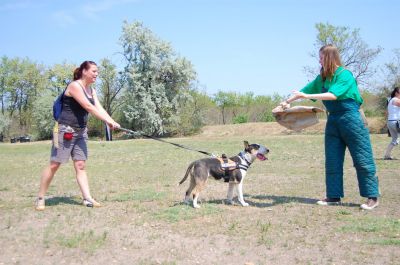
(63, 19)
(89, 10)
(92, 9)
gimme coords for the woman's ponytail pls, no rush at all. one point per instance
(84, 66)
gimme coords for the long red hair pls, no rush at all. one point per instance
(331, 61)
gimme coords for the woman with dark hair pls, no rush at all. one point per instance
(393, 119)
(70, 134)
(345, 128)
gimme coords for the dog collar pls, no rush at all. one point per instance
(242, 155)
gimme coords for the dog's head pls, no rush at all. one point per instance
(256, 150)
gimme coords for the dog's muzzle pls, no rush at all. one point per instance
(261, 153)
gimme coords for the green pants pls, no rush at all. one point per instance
(345, 128)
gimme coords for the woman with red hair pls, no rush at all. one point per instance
(70, 134)
(345, 128)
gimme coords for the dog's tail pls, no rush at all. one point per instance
(187, 173)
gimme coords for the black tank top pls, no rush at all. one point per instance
(72, 113)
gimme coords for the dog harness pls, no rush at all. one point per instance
(243, 157)
(227, 164)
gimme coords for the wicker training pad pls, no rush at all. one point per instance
(296, 118)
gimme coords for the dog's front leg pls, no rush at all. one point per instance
(195, 198)
(229, 197)
(239, 188)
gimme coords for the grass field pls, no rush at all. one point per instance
(143, 220)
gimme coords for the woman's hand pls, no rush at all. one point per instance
(285, 104)
(299, 94)
(113, 125)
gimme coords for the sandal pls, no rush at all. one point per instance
(91, 203)
(40, 204)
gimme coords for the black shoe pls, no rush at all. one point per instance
(329, 201)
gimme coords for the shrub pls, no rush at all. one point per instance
(241, 118)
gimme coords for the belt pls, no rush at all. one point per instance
(76, 129)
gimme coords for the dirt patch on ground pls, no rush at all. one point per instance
(375, 125)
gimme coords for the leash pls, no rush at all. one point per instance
(161, 140)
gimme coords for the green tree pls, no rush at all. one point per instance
(192, 113)
(110, 86)
(156, 79)
(24, 85)
(4, 124)
(5, 90)
(57, 77)
(224, 101)
(42, 111)
(8, 77)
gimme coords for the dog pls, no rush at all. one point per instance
(232, 170)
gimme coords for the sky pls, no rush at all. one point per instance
(259, 46)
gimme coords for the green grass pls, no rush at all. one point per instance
(185, 212)
(141, 195)
(87, 241)
(385, 242)
(143, 219)
(386, 226)
(385, 231)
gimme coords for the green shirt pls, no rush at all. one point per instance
(343, 85)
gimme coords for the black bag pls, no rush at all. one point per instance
(57, 106)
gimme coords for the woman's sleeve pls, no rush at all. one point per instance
(342, 84)
(314, 87)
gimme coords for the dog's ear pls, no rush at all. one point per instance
(246, 144)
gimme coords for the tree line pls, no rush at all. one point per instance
(156, 91)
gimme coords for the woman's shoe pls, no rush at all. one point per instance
(39, 204)
(329, 201)
(91, 203)
(370, 204)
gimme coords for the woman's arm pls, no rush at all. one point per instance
(396, 102)
(298, 95)
(75, 91)
(320, 96)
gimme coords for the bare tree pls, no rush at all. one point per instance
(354, 52)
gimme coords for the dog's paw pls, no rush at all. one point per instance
(229, 202)
(196, 206)
(244, 204)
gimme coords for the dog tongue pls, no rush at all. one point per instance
(261, 157)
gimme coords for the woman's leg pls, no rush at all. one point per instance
(45, 180)
(357, 139)
(392, 127)
(47, 177)
(82, 179)
(334, 157)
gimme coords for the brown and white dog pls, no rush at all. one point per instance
(233, 171)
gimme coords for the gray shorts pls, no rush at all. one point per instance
(75, 148)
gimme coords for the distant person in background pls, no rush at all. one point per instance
(70, 134)
(345, 128)
(393, 119)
